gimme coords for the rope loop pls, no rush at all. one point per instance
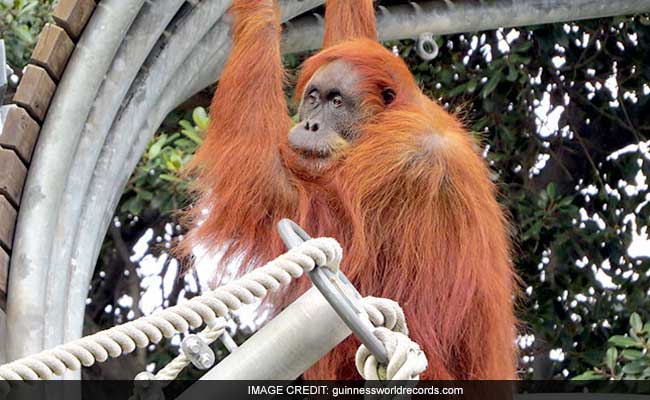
(407, 360)
(385, 313)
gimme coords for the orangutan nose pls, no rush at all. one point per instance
(313, 126)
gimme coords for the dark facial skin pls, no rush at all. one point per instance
(328, 115)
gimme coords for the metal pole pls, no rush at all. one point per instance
(3, 112)
(456, 16)
(3, 73)
(288, 345)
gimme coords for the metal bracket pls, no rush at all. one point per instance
(198, 352)
(338, 291)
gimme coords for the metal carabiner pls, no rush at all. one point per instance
(338, 291)
(426, 46)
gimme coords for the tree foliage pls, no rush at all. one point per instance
(628, 356)
(156, 182)
(575, 208)
(20, 23)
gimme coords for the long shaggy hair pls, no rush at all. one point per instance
(411, 200)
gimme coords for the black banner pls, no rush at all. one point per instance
(203, 390)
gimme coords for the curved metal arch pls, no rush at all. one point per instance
(131, 67)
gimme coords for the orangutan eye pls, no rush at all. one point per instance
(313, 97)
(337, 101)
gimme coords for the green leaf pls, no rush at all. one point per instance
(24, 34)
(170, 178)
(460, 89)
(632, 355)
(471, 85)
(174, 163)
(173, 137)
(636, 323)
(543, 199)
(145, 195)
(155, 148)
(566, 201)
(610, 358)
(524, 47)
(517, 59)
(133, 205)
(624, 341)
(491, 84)
(192, 136)
(201, 119)
(551, 189)
(589, 376)
(634, 368)
(646, 327)
(29, 8)
(186, 125)
(513, 74)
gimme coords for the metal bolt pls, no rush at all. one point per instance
(199, 353)
(205, 359)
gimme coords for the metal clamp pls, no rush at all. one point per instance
(198, 352)
(338, 291)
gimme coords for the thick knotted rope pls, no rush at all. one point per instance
(207, 308)
(406, 359)
(385, 313)
(170, 371)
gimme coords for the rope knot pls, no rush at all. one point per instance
(407, 360)
(385, 313)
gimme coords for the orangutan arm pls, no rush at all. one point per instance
(242, 183)
(348, 19)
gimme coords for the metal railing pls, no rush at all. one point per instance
(447, 17)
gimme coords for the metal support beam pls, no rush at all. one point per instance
(288, 345)
(3, 72)
(135, 61)
(456, 16)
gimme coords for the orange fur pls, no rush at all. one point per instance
(349, 19)
(411, 200)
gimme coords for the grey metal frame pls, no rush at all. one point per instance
(3, 71)
(458, 16)
(339, 292)
(287, 345)
(116, 91)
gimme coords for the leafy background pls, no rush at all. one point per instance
(562, 111)
(20, 23)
